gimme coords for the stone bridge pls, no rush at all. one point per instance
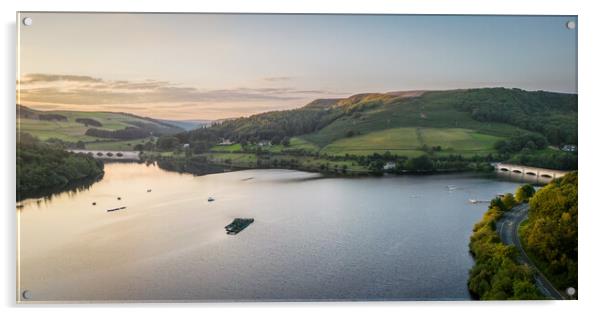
(531, 171)
(109, 154)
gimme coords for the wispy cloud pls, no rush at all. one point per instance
(72, 89)
(276, 79)
(77, 92)
(36, 78)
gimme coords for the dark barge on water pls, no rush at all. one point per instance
(238, 225)
(115, 209)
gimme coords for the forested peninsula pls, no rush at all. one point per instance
(44, 168)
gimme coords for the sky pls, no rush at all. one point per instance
(214, 66)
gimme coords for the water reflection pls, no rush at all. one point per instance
(69, 190)
(372, 238)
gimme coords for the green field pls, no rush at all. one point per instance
(459, 141)
(66, 131)
(425, 112)
(227, 148)
(401, 141)
(72, 131)
(296, 143)
(408, 141)
(234, 159)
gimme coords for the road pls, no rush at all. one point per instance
(507, 229)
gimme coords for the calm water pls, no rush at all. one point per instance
(313, 238)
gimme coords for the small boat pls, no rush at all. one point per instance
(475, 201)
(115, 209)
(210, 199)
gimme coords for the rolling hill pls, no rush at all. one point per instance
(462, 122)
(97, 127)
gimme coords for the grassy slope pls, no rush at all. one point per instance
(402, 125)
(72, 131)
(401, 141)
(408, 141)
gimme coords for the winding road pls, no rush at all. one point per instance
(507, 229)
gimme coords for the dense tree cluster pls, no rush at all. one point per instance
(167, 143)
(420, 164)
(43, 166)
(552, 114)
(496, 275)
(156, 128)
(551, 233)
(558, 160)
(278, 124)
(523, 142)
(88, 121)
(524, 193)
(52, 117)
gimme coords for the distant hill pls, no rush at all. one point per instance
(189, 124)
(411, 123)
(73, 126)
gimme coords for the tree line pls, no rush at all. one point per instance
(42, 167)
(554, 115)
(496, 274)
(550, 235)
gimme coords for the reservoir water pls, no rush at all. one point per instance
(313, 238)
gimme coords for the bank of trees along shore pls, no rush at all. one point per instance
(496, 274)
(43, 167)
(549, 237)
(550, 234)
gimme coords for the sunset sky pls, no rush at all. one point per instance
(211, 66)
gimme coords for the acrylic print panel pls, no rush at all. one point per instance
(237, 157)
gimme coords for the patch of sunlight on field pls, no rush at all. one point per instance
(66, 131)
(72, 131)
(227, 148)
(410, 141)
(402, 141)
(459, 140)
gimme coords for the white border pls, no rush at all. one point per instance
(589, 117)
